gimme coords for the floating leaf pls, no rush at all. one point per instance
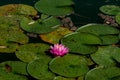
(8, 47)
(106, 56)
(108, 34)
(103, 73)
(39, 69)
(82, 43)
(69, 65)
(98, 29)
(29, 52)
(55, 36)
(57, 8)
(110, 9)
(10, 76)
(40, 26)
(117, 17)
(17, 9)
(18, 37)
(14, 67)
(109, 39)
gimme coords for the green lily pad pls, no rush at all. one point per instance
(11, 76)
(18, 37)
(69, 65)
(108, 34)
(106, 56)
(8, 47)
(40, 26)
(39, 69)
(32, 51)
(57, 8)
(14, 67)
(82, 43)
(103, 73)
(98, 29)
(110, 9)
(117, 17)
(109, 39)
(55, 36)
(17, 9)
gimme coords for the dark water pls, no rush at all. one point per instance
(86, 11)
(29, 2)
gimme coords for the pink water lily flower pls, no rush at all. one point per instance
(59, 50)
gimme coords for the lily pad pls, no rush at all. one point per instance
(8, 47)
(106, 56)
(57, 8)
(110, 9)
(98, 29)
(108, 34)
(103, 73)
(11, 76)
(39, 69)
(82, 43)
(40, 26)
(109, 39)
(14, 67)
(118, 18)
(55, 36)
(17, 9)
(32, 51)
(18, 37)
(70, 65)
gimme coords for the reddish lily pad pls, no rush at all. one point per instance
(17, 9)
(55, 36)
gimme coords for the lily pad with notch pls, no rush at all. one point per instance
(81, 43)
(104, 32)
(40, 26)
(55, 8)
(106, 56)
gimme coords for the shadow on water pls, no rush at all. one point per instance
(86, 11)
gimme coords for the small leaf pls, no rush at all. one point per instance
(110, 9)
